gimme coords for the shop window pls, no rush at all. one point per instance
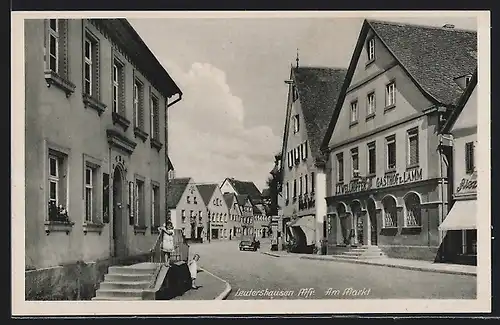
(469, 242)
(413, 215)
(390, 212)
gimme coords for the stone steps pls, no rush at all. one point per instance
(359, 252)
(126, 282)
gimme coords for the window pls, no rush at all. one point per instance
(118, 88)
(340, 167)
(296, 124)
(370, 104)
(183, 216)
(313, 181)
(467, 80)
(57, 185)
(371, 158)
(355, 162)
(188, 199)
(138, 105)
(469, 157)
(413, 216)
(55, 54)
(155, 206)
(194, 200)
(371, 49)
(469, 242)
(290, 159)
(155, 118)
(391, 153)
(297, 155)
(90, 66)
(354, 112)
(300, 186)
(54, 45)
(287, 192)
(390, 212)
(413, 147)
(90, 194)
(295, 93)
(303, 150)
(192, 217)
(294, 189)
(390, 94)
(306, 185)
(139, 203)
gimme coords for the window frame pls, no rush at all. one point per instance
(88, 61)
(154, 116)
(469, 158)
(371, 146)
(55, 34)
(340, 167)
(355, 171)
(390, 101)
(408, 209)
(139, 204)
(296, 124)
(394, 220)
(61, 154)
(89, 204)
(353, 104)
(412, 133)
(115, 83)
(371, 49)
(370, 113)
(388, 141)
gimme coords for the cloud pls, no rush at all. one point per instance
(208, 139)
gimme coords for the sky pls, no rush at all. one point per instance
(231, 72)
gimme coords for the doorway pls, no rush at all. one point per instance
(372, 214)
(357, 222)
(119, 228)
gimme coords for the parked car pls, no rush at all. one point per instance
(249, 243)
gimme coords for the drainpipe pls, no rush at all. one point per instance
(440, 110)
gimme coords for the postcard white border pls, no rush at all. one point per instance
(32, 308)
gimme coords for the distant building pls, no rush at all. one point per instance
(458, 145)
(312, 95)
(187, 210)
(235, 215)
(238, 187)
(386, 181)
(247, 221)
(171, 169)
(217, 210)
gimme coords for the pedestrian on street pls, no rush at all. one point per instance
(167, 243)
(193, 270)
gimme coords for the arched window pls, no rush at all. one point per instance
(390, 212)
(341, 210)
(413, 216)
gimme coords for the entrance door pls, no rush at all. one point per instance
(357, 222)
(119, 228)
(372, 214)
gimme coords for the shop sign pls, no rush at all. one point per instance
(217, 225)
(368, 183)
(467, 184)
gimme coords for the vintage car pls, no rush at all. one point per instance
(249, 243)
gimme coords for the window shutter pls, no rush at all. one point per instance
(96, 92)
(157, 119)
(121, 87)
(131, 202)
(413, 150)
(141, 106)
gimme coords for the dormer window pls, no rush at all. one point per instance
(467, 80)
(463, 81)
(371, 49)
(296, 124)
(295, 94)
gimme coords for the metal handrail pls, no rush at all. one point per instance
(155, 251)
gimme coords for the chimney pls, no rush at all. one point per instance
(449, 26)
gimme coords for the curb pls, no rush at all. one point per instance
(223, 295)
(270, 254)
(405, 267)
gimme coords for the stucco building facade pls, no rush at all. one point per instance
(235, 213)
(96, 141)
(387, 182)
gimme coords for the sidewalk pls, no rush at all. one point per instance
(210, 287)
(407, 264)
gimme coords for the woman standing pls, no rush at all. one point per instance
(167, 243)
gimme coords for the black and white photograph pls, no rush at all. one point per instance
(250, 162)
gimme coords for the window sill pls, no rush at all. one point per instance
(58, 226)
(92, 102)
(140, 134)
(352, 124)
(120, 120)
(370, 116)
(140, 229)
(389, 108)
(390, 231)
(414, 166)
(156, 144)
(92, 227)
(411, 229)
(52, 78)
(390, 171)
(369, 62)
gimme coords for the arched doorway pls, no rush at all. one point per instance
(372, 214)
(357, 222)
(119, 225)
(345, 226)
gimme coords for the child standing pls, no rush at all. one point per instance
(193, 270)
(167, 244)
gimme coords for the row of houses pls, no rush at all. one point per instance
(383, 153)
(228, 210)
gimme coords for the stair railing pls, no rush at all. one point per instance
(155, 252)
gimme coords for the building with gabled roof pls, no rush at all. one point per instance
(217, 211)
(247, 222)
(186, 208)
(240, 187)
(312, 95)
(386, 182)
(235, 214)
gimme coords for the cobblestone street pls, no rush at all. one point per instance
(284, 277)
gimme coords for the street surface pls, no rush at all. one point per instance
(253, 275)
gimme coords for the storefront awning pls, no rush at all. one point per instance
(462, 216)
(307, 224)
